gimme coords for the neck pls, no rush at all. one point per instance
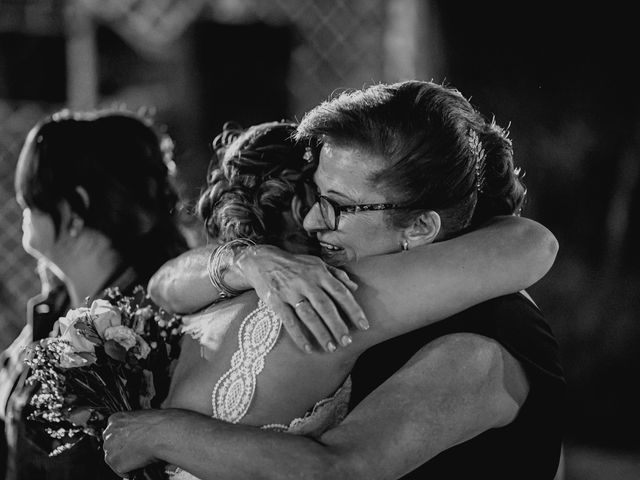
(86, 268)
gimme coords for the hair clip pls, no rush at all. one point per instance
(308, 155)
(479, 156)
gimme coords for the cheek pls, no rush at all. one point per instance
(38, 234)
(367, 237)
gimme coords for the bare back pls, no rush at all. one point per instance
(289, 384)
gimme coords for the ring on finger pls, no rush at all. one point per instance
(304, 300)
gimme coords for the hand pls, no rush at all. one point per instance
(128, 440)
(303, 287)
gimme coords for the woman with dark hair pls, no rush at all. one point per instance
(248, 373)
(99, 211)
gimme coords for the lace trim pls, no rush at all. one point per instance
(233, 392)
(338, 404)
(195, 330)
(196, 324)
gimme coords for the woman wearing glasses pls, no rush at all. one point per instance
(249, 372)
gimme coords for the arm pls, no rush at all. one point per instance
(452, 390)
(404, 291)
(507, 255)
(398, 292)
(182, 284)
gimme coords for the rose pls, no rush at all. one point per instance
(104, 315)
(122, 335)
(69, 332)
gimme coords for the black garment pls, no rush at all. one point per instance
(29, 445)
(527, 448)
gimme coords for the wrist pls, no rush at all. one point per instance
(230, 277)
(241, 269)
(162, 434)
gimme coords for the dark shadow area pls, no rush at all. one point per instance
(565, 79)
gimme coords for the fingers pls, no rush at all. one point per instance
(308, 312)
(343, 277)
(344, 299)
(291, 325)
(328, 318)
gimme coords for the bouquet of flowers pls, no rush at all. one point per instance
(114, 355)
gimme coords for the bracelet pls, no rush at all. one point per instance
(216, 268)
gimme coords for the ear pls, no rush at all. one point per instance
(423, 230)
(70, 220)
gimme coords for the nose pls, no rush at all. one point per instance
(313, 221)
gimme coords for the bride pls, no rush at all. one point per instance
(260, 192)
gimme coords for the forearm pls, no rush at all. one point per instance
(210, 449)
(451, 391)
(182, 285)
(406, 290)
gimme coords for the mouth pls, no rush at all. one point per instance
(331, 247)
(328, 250)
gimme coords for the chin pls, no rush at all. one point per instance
(335, 259)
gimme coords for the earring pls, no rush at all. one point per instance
(404, 245)
(76, 226)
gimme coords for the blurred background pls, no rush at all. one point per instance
(562, 75)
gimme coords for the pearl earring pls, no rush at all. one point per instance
(404, 245)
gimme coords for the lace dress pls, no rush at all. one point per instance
(233, 393)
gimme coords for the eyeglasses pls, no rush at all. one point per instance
(330, 210)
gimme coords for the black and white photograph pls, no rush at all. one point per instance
(319, 240)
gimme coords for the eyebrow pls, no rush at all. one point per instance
(333, 192)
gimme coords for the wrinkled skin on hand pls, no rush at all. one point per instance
(126, 440)
(304, 287)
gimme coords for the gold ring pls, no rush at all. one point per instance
(300, 303)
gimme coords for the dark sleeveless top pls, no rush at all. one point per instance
(527, 448)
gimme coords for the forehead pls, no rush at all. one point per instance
(346, 169)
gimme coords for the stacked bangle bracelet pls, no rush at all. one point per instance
(217, 267)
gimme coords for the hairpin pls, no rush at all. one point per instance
(308, 155)
(479, 156)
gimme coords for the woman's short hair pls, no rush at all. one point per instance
(256, 176)
(431, 139)
(123, 163)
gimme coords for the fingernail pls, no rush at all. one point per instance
(307, 348)
(363, 324)
(331, 347)
(346, 340)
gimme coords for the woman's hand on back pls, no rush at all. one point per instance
(314, 300)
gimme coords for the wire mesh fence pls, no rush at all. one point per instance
(18, 280)
(339, 44)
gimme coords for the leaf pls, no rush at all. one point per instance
(80, 416)
(115, 350)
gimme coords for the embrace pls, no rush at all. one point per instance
(404, 170)
(360, 312)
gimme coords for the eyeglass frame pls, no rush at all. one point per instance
(338, 209)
